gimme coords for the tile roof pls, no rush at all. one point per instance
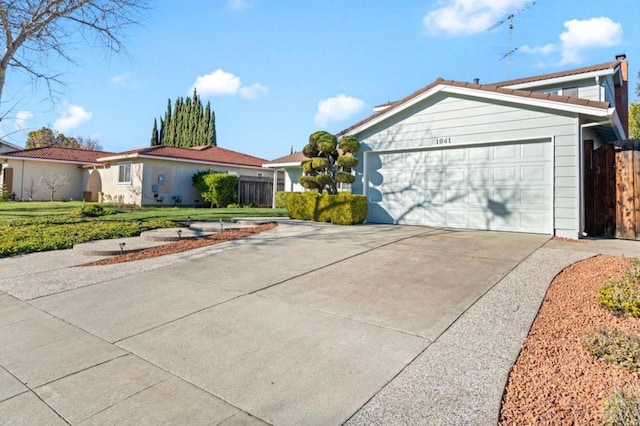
(204, 154)
(59, 153)
(296, 157)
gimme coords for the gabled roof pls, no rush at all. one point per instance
(295, 158)
(199, 154)
(10, 145)
(551, 76)
(58, 153)
(443, 85)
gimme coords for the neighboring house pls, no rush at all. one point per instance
(6, 146)
(504, 156)
(161, 175)
(156, 175)
(27, 173)
(291, 167)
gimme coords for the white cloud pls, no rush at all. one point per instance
(71, 117)
(253, 92)
(125, 80)
(337, 108)
(21, 118)
(544, 50)
(218, 82)
(588, 34)
(238, 4)
(463, 17)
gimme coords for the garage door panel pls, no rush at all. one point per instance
(502, 187)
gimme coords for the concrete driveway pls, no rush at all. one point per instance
(303, 325)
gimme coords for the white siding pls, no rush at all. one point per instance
(27, 176)
(466, 121)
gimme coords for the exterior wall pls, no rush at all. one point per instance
(27, 176)
(163, 182)
(457, 120)
(291, 176)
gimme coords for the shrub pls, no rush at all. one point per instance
(281, 199)
(613, 346)
(33, 235)
(92, 210)
(220, 189)
(622, 409)
(622, 294)
(4, 193)
(340, 209)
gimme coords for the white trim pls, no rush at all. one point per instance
(543, 139)
(278, 165)
(484, 94)
(563, 79)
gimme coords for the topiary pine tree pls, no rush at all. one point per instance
(329, 161)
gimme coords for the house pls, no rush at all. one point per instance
(290, 166)
(158, 175)
(6, 146)
(507, 156)
(31, 174)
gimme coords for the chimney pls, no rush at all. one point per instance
(622, 93)
(476, 80)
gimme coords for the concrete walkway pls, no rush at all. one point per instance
(304, 324)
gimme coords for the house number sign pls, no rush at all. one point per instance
(442, 141)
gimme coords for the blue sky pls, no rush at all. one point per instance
(277, 70)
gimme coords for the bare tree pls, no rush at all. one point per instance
(30, 190)
(54, 182)
(32, 30)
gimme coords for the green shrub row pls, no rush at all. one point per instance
(28, 236)
(622, 294)
(340, 209)
(220, 189)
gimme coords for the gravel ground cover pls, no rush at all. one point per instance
(555, 380)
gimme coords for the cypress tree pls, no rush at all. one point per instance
(154, 133)
(186, 123)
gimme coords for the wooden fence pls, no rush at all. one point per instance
(627, 163)
(257, 190)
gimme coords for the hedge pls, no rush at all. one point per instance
(340, 209)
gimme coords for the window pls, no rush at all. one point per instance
(262, 174)
(570, 91)
(124, 173)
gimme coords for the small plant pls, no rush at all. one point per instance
(613, 346)
(93, 210)
(622, 294)
(4, 193)
(622, 409)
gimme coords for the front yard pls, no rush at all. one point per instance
(40, 226)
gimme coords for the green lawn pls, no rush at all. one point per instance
(27, 227)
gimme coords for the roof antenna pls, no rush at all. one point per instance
(510, 51)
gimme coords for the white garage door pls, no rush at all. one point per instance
(505, 187)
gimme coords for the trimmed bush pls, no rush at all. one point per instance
(319, 163)
(281, 199)
(340, 209)
(220, 189)
(92, 210)
(348, 161)
(349, 144)
(622, 294)
(345, 177)
(308, 182)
